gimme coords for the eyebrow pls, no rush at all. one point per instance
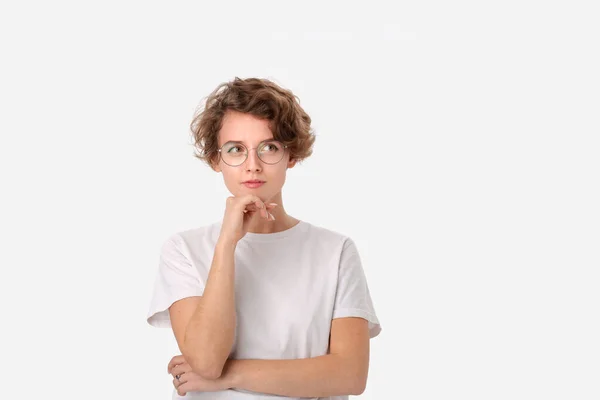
(240, 141)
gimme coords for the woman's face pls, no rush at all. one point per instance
(251, 131)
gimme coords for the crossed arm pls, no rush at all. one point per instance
(342, 372)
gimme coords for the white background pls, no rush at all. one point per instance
(457, 143)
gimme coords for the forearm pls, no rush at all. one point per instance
(211, 330)
(322, 376)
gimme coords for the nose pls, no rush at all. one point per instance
(253, 163)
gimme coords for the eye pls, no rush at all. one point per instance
(271, 147)
(234, 149)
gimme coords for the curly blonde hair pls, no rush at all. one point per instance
(262, 98)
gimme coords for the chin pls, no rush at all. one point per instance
(260, 192)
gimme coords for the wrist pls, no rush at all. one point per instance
(231, 374)
(225, 243)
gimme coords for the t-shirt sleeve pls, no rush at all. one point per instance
(353, 298)
(177, 279)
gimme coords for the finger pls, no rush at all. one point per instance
(262, 208)
(270, 207)
(250, 199)
(253, 207)
(182, 389)
(172, 365)
(181, 369)
(254, 203)
(176, 383)
(174, 361)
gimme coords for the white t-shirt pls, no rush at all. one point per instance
(289, 285)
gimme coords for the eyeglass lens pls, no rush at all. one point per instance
(235, 153)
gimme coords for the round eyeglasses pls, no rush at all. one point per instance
(235, 154)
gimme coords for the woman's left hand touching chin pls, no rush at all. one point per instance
(189, 381)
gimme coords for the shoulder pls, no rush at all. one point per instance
(190, 238)
(329, 237)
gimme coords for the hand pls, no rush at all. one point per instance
(238, 213)
(189, 381)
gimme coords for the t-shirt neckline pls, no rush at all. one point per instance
(267, 237)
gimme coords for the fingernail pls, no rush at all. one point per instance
(273, 204)
(272, 216)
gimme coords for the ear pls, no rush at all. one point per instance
(216, 166)
(292, 162)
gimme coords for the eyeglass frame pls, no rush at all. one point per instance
(248, 151)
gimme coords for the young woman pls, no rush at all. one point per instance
(262, 303)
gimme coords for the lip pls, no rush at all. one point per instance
(253, 184)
